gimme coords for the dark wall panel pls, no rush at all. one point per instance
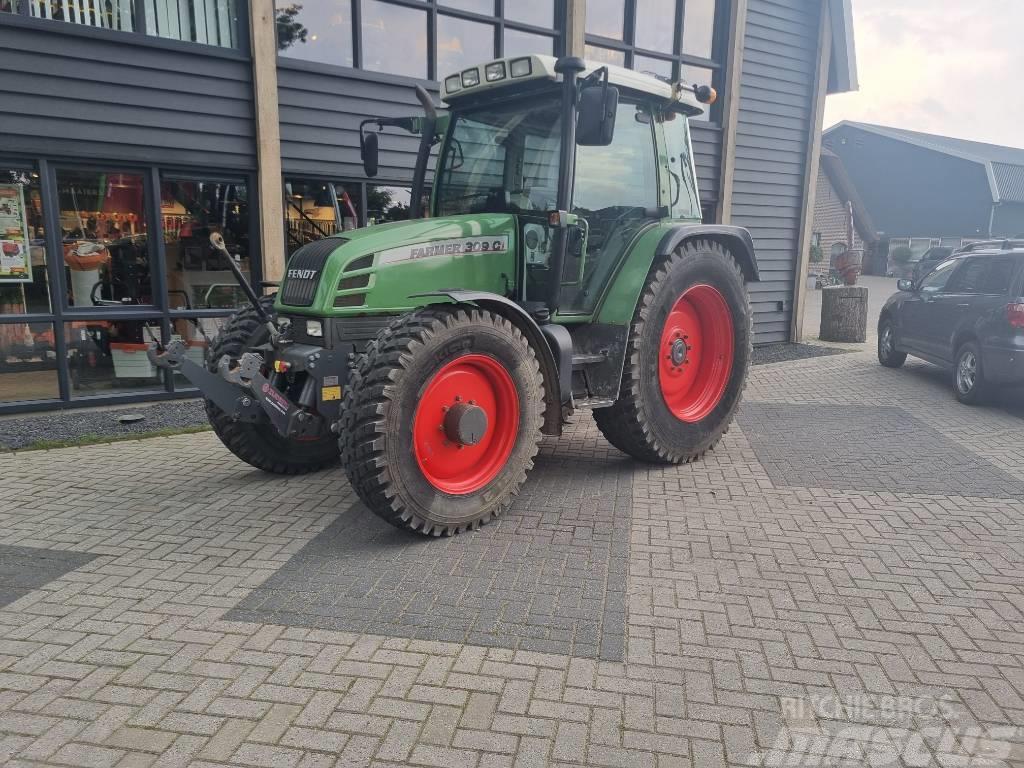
(320, 114)
(707, 155)
(780, 62)
(912, 191)
(113, 97)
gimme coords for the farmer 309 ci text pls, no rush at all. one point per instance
(561, 265)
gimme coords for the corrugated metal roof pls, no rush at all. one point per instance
(1010, 179)
(1004, 165)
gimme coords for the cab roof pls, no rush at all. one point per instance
(496, 74)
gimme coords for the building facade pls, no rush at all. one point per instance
(922, 190)
(132, 129)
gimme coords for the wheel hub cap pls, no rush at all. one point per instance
(465, 424)
(697, 353)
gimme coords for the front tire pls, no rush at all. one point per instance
(442, 419)
(887, 354)
(687, 360)
(969, 384)
(259, 444)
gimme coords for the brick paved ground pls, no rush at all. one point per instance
(182, 609)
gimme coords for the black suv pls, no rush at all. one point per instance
(967, 314)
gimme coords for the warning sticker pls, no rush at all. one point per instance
(327, 394)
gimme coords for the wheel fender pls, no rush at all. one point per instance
(546, 340)
(736, 239)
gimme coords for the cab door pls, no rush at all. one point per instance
(616, 196)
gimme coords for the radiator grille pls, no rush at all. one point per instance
(300, 291)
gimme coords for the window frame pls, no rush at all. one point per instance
(434, 9)
(678, 59)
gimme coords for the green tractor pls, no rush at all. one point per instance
(561, 265)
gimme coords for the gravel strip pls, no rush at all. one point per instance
(784, 353)
(23, 431)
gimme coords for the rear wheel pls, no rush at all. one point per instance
(968, 375)
(442, 419)
(887, 354)
(687, 360)
(259, 443)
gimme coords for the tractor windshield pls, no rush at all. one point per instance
(501, 159)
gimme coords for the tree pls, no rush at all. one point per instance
(901, 254)
(290, 31)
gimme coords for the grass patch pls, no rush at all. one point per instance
(82, 440)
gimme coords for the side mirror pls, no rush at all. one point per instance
(370, 153)
(595, 120)
(905, 285)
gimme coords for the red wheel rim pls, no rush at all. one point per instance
(695, 357)
(471, 380)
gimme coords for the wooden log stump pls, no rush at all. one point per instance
(844, 313)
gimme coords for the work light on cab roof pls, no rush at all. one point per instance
(505, 72)
(559, 265)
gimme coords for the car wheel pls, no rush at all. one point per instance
(887, 353)
(968, 375)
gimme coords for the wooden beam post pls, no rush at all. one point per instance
(811, 164)
(268, 137)
(731, 108)
(575, 25)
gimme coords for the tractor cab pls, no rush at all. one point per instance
(582, 179)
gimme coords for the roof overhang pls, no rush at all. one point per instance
(842, 73)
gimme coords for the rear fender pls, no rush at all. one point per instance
(552, 344)
(736, 239)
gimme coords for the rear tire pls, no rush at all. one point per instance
(395, 438)
(887, 354)
(657, 418)
(969, 384)
(259, 443)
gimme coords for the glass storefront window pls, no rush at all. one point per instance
(191, 210)
(654, 28)
(8, 6)
(384, 204)
(213, 22)
(118, 15)
(28, 362)
(539, 13)
(309, 212)
(24, 282)
(103, 223)
(461, 43)
(519, 43)
(605, 55)
(485, 7)
(652, 66)
(107, 356)
(394, 39)
(698, 27)
(606, 18)
(316, 31)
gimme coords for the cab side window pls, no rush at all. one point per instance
(937, 279)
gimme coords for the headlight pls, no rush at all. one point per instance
(494, 72)
(453, 84)
(521, 67)
(315, 328)
(470, 78)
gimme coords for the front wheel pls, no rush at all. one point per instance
(968, 375)
(887, 353)
(687, 360)
(442, 419)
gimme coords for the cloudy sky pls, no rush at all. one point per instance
(952, 67)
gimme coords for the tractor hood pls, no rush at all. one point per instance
(377, 269)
